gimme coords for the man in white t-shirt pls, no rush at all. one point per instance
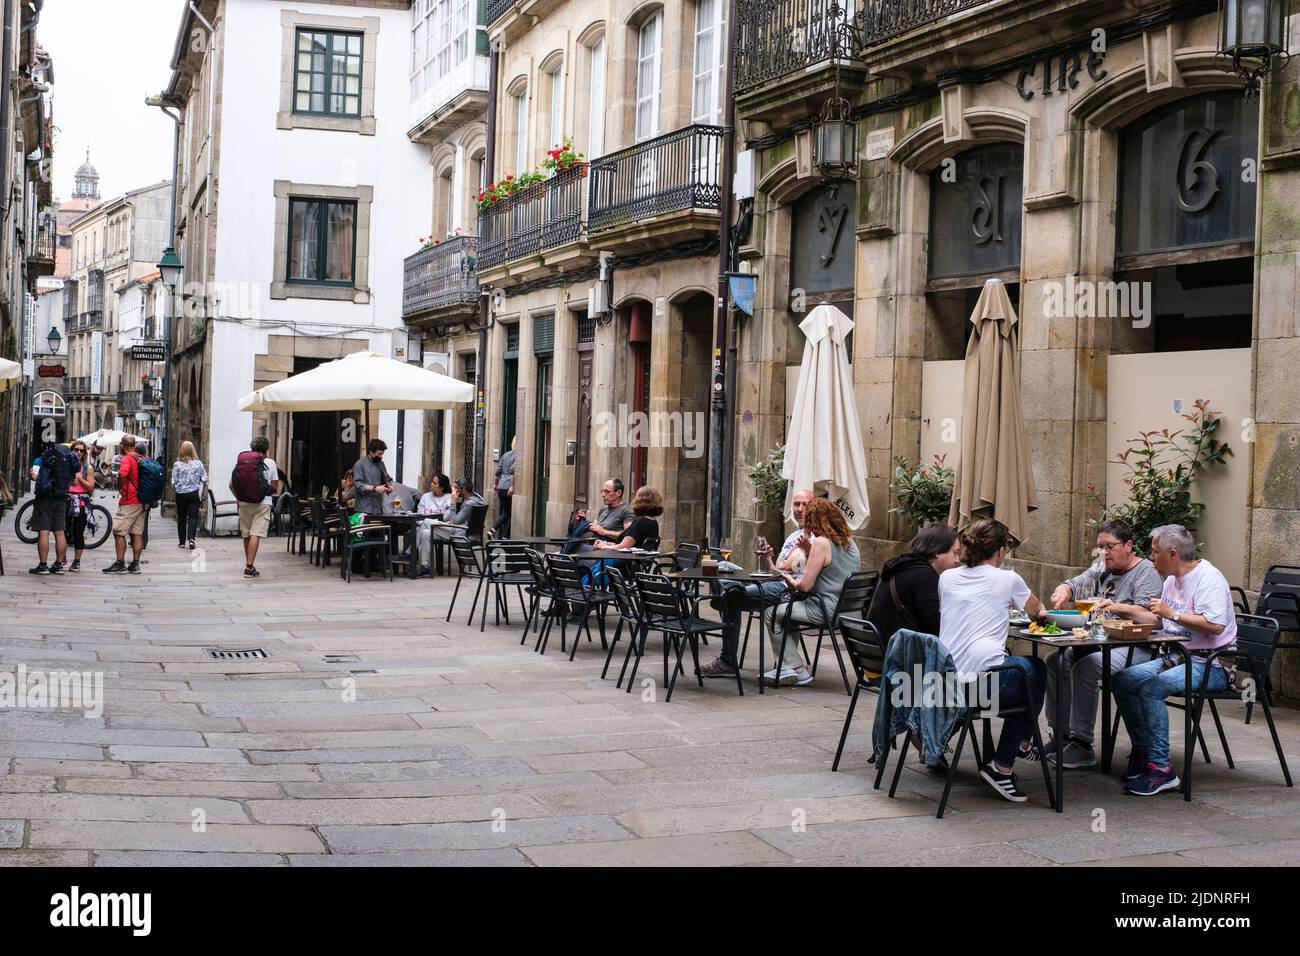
(737, 596)
(974, 601)
(1196, 602)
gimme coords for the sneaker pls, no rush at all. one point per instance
(1032, 755)
(56, 567)
(424, 572)
(133, 567)
(117, 567)
(1153, 780)
(251, 572)
(798, 677)
(1003, 783)
(190, 544)
(41, 568)
(1137, 765)
(1075, 756)
(802, 677)
(181, 545)
(74, 566)
(718, 668)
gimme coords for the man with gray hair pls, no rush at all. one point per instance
(1195, 603)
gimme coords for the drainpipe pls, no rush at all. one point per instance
(485, 296)
(719, 527)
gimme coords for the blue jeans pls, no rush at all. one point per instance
(757, 597)
(1140, 693)
(1011, 694)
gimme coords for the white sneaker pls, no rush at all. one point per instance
(787, 677)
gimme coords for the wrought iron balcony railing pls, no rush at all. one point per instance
(440, 276)
(136, 399)
(91, 319)
(539, 217)
(885, 19)
(496, 9)
(777, 37)
(670, 173)
(43, 242)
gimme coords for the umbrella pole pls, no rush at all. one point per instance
(365, 425)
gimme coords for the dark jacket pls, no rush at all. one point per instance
(918, 592)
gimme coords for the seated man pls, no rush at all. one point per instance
(738, 596)
(455, 523)
(613, 517)
(1196, 602)
(1124, 584)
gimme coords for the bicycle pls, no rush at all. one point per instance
(99, 525)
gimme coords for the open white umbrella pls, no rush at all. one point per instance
(10, 373)
(824, 449)
(103, 437)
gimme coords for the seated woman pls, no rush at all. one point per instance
(643, 531)
(832, 555)
(434, 503)
(973, 605)
(348, 491)
(908, 593)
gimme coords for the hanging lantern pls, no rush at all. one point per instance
(1253, 34)
(836, 143)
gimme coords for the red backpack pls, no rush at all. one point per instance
(248, 479)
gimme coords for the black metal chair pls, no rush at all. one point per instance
(325, 530)
(541, 590)
(665, 609)
(369, 541)
(866, 650)
(969, 717)
(573, 587)
(227, 508)
(629, 613)
(1257, 640)
(857, 589)
(468, 565)
(505, 566)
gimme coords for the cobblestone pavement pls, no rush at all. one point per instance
(461, 747)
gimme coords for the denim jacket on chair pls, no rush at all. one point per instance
(912, 654)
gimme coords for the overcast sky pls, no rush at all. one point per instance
(108, 56)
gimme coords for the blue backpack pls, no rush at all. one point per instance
(149, 472)
(58, 466)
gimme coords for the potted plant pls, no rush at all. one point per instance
(924, 493)
(769, 495)
(563, 157)
(1162, 466)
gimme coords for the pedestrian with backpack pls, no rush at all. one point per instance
(53, 472)
(140, 484)
(253, 481)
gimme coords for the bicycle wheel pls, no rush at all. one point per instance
(21, 521)
(103, 527)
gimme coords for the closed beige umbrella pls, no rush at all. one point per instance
(10, 373)
(993, 475)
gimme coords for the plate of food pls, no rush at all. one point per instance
(1049, 630)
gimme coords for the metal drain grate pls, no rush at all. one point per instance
(341, 659)
(235, 654)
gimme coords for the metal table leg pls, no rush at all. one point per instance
(1107, 752)
(1189, 744)
(1060, 742)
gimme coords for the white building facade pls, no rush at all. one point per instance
(293, 219)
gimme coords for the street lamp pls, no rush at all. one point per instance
(836, 143)
(1253, 33)
(170, 267)
(54, 338)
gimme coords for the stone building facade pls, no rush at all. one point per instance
(1101, 160)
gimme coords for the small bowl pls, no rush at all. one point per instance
(1066, 620)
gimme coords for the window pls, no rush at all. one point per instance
(441, 31)
(555, 129)
(322, 241)
(647, 79)
(327, 74)
(710, 34)
(521, 130)
(596, 103)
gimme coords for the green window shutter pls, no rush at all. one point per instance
(544, 335)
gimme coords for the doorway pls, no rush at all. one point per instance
(541, 453)
(318, 451)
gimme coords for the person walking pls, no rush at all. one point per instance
(372, 480)
(130, 517)
(505, 492)
(188, 478)
(83, 483)
(253, 481)
(53, 474)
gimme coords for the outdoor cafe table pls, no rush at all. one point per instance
(697, 574)
(403, 523)
(1062, 720)
(614, 554)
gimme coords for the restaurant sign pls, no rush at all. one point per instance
(51, 371)
(149, 352)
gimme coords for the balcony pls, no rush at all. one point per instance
(885, 19)
(439, 283)
(511, 19)
(534, 230)
(775, 38)
(40, 251)
(91, 319)
(657, 193)
(443, 103)
(129, 402)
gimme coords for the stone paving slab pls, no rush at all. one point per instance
(400, 739)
